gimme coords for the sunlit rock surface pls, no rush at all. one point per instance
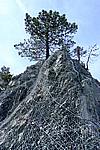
(18, 89)
(53, 105)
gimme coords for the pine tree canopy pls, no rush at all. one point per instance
(48, 32)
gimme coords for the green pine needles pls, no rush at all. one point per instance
(48, 32)
(5, 77)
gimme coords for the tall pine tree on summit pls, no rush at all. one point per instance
(48, 31)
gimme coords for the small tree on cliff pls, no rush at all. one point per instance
(93, 51)
(80, 52)
(5, 77)
(48, 31)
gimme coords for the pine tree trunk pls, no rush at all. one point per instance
(47, 50)
(47, 46)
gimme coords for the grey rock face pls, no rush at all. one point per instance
(18, 89)
(59, 109)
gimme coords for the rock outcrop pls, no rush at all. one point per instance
(53, 105)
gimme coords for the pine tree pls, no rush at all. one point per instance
(79, 52)
(5, 77)
(48, 32)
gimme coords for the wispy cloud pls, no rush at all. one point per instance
(22, 6)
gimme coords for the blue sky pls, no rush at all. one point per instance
(12, 13)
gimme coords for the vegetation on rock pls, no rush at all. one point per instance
(48, 32)
(5, 77)
(80, 52)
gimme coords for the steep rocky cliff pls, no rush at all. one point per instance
(53, 105)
